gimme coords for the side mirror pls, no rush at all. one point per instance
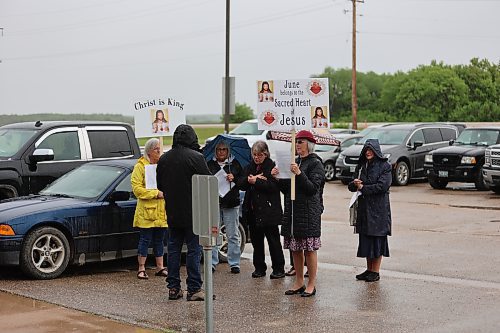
(451, 142)
(119, 196)
(40, 155)
(417, 144)
(337, 149)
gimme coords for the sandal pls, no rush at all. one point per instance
(291, 272)
(144, 276)
(162, 272)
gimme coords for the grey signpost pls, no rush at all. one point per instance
(206, 225)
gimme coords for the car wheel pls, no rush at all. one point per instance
(224, 247)
(329, 171)
(437, 184)
(401, 174)
(45, 253)
(481, 185)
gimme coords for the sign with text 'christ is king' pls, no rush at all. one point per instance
(284, 105)
(156, 117)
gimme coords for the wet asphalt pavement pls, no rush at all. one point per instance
(443, 276)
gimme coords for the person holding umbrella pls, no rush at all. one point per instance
(224, 162)
(301, 226)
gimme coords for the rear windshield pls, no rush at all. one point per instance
(247, 129)
(12, 139)
(478, 137)
(386, 136)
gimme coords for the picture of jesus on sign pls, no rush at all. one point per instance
(265, 91)
(320, 117)
(160, 121)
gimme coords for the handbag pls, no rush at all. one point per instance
(353, 208)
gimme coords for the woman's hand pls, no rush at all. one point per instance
(358, 183)
(253, 179)
(294, 168)
(275, 172)
(160, 195)
(230, 177)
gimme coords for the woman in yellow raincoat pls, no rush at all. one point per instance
(150, 215)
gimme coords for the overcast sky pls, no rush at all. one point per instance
(99, 56)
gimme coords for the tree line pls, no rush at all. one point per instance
(434, 92)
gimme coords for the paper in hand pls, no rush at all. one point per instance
(283, 161)
(224, 185)
(151, 177)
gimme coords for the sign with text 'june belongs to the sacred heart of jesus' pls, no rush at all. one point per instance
(286, 105)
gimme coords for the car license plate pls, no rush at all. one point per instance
(442, 173)
(352, 169)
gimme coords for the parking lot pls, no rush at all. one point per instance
(443, 276)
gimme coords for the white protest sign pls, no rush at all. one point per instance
(283, 105)
(155, 117)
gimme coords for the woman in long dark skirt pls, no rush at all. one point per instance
(373, 222)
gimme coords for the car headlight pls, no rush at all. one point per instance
(341, 157)
(468, 160)
(428, 158)
(487, 157)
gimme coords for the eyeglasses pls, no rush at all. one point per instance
(221, 149)
(157, 149)
(259, 155)
(300, 141)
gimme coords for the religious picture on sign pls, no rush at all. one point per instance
(316, 88)
(157, 117)
(319, 117)
(159, 121)
(265, 91)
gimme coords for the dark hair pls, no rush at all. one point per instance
(163, 114)
(316, 113)
(268, 87)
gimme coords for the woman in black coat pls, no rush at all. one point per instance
(302, 218)
(373, 222)
(262, 209)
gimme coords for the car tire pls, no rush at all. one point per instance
(345, 181)
(481, 185)
(45, 253)
(437, 183)
(329, 171)
(401, 174)
(223, 247)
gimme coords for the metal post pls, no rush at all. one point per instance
(209, 292)
(226, 97)
(354, 90)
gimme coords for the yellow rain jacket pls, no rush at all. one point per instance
(150, 211)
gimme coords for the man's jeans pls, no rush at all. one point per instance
(229, 217)
(176, 239)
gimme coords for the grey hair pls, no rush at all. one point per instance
(310, 146)
(260, 147)
(150, 145)
(224, 144)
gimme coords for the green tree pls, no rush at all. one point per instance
(242, 112)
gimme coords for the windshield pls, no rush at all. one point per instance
(478, 137)
(246, 128)
(87, 181)
(386, 136)
(12, 139)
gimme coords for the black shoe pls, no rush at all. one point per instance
(372, 277)
(296, 291)
(305, 294)
(258, 274)
(363, 275)
(235, 270)
(277, 275)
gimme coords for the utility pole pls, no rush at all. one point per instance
(227, 85)
(354, 87)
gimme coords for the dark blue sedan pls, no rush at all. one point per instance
(84, 216)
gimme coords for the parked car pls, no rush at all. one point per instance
(84, 216)
(343, 131)
(463, 160)
(329, 154)
(491, 168)
(34, 154)
(405, 146)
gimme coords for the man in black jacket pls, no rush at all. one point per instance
(174, 172)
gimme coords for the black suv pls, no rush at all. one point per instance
(32, 155)
(463, 160)
(405, 146)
